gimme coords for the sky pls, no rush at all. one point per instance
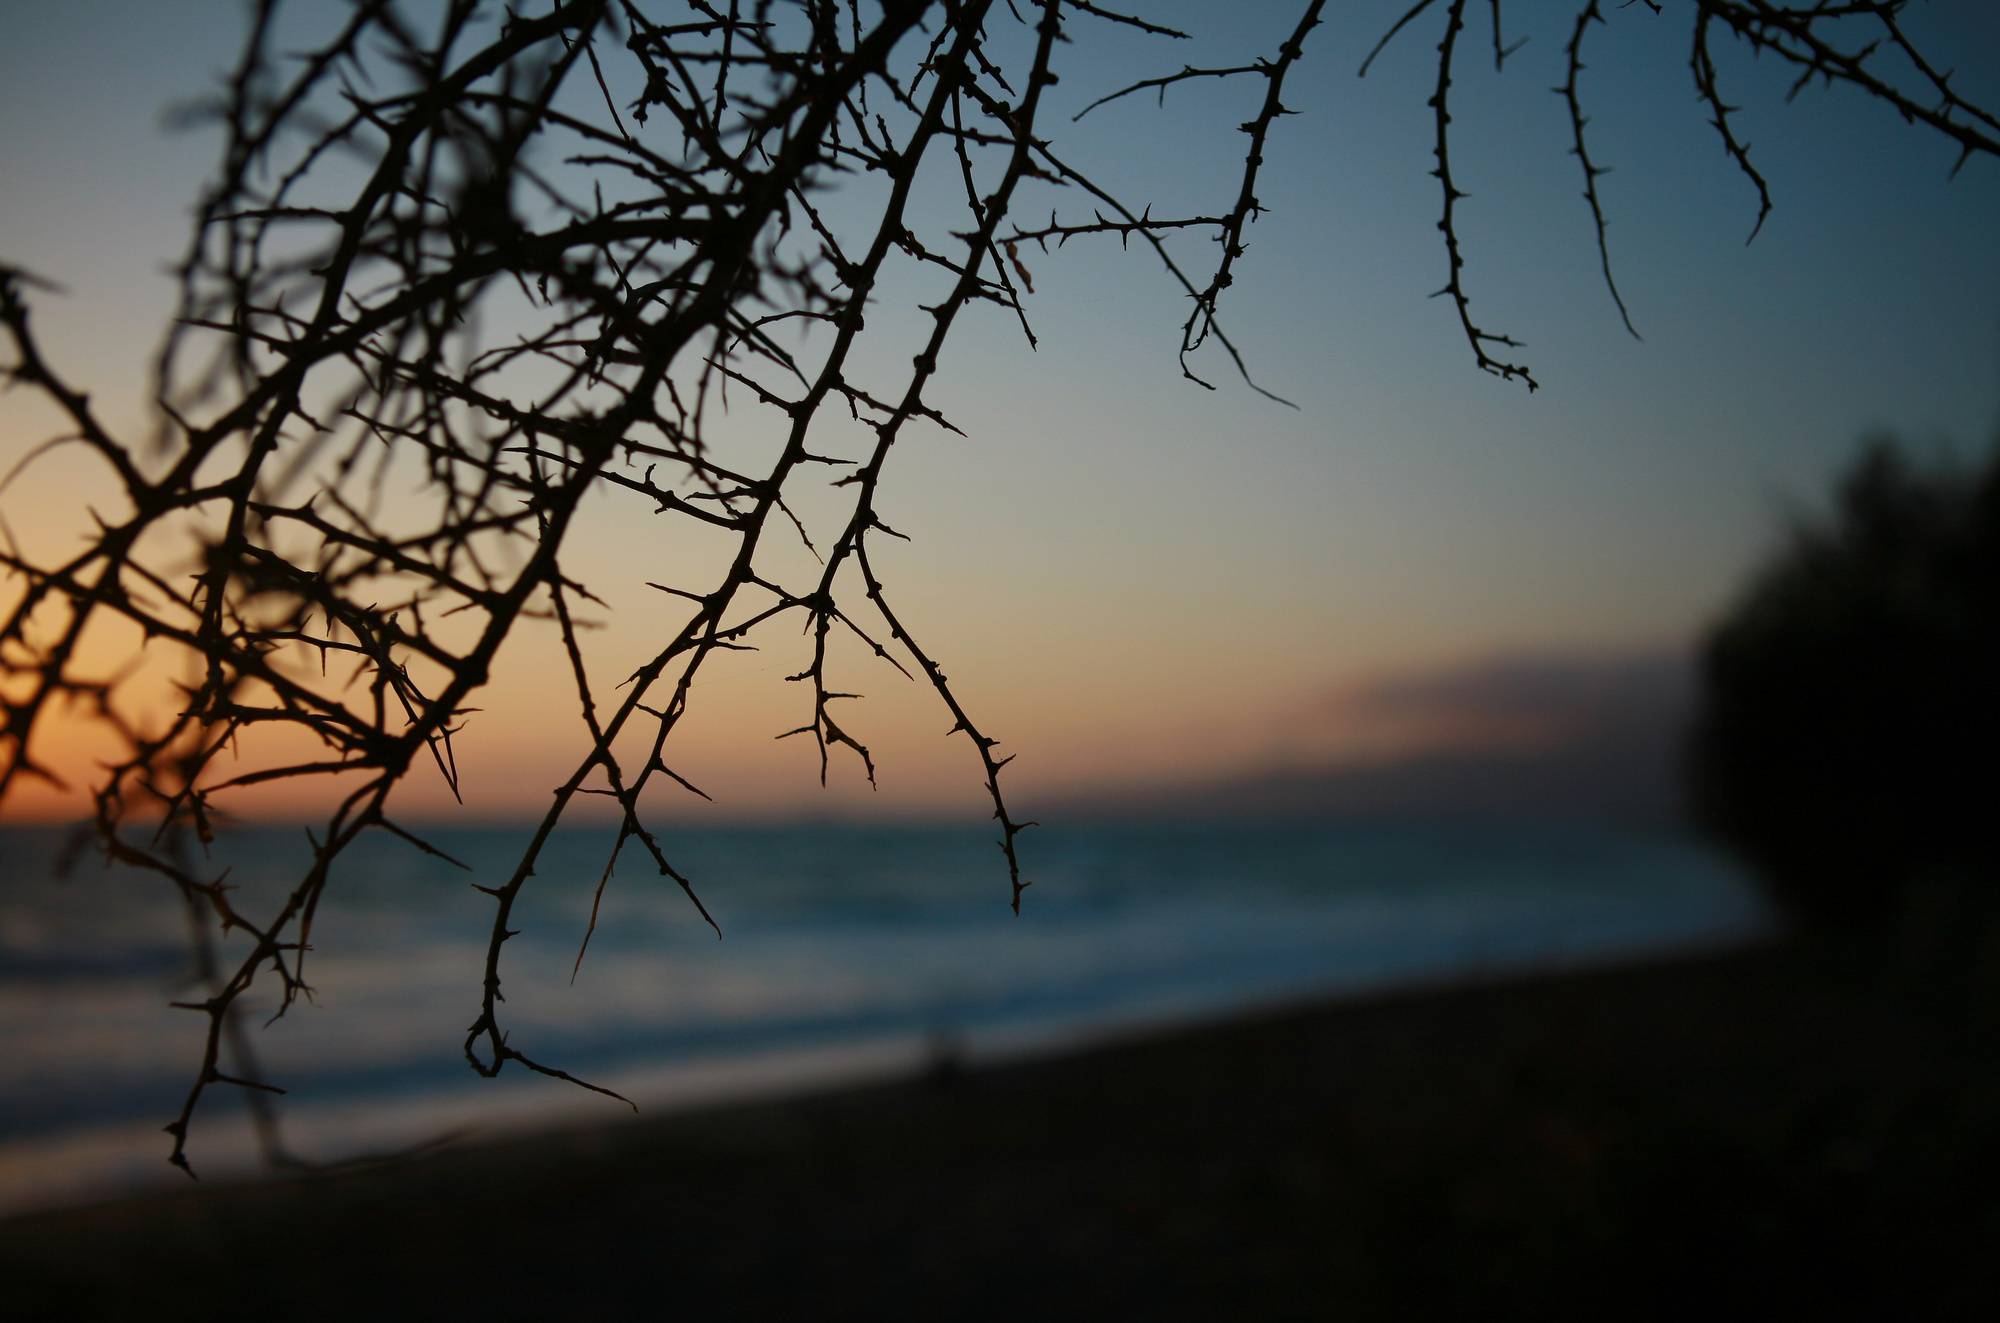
(1140, 584)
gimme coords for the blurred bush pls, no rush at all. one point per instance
(1847, 737)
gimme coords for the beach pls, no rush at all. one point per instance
(1759, 1127)
(849, 955)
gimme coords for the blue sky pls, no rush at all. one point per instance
(1129, 572)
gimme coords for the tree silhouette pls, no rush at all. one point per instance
(458, 271)
(1847, 702)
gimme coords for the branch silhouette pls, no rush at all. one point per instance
(457, 274)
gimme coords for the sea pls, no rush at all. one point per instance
(847, 952)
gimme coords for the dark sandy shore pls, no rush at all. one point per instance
(1695, 1139)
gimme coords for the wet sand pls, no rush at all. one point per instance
(1752, 1130)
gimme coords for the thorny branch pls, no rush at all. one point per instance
(460, 273)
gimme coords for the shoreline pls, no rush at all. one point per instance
(122, 1161)
(1568, 1142)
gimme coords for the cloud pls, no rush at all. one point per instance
(1544, 700)
(1552, 735)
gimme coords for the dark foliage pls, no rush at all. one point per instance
(1849, 714)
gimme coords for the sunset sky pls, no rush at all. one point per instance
(1134, 580)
